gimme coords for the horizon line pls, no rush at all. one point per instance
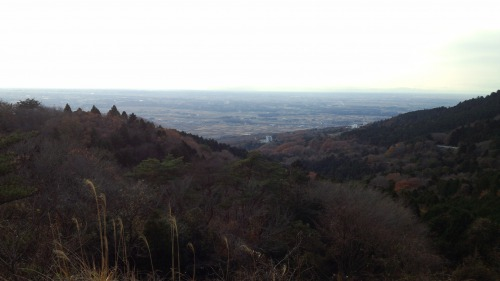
(401, 90)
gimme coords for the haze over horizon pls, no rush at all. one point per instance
(274, 45)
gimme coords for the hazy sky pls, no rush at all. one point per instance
(252, 45)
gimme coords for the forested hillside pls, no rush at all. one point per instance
(442, 163)
(109, 196)
(473, 120)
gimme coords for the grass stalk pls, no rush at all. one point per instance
(174, 238)
(99, 221)
(104, 237)
(227, 263)
(191, 247)
(123, 245)
(79, 234)
(104, 273)
(116, 242)
(74, 265)
(149, 252)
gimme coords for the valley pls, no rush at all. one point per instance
(217, 115)
(411, 197)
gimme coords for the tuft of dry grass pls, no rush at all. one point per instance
(175, 246)
(75, 265)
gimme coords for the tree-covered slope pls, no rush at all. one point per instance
(420, 124)
(444, 163)
(88, 195)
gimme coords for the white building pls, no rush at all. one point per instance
(268, 139)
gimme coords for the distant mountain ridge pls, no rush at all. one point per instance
(421, 123)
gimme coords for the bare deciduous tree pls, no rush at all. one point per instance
(368, 233)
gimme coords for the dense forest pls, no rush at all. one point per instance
(110, 196)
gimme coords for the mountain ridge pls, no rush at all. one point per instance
(407, 126)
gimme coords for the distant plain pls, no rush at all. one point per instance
(218, 114)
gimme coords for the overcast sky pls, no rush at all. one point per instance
(298, 45)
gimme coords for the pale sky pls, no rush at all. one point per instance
(310, 45)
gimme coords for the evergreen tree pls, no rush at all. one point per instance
(95, 110)
(113, 111)
(158, 172)
(132, 118)
(67, 109)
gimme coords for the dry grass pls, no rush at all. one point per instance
(174, 238)
(76, 265)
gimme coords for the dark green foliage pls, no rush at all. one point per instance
(8, 140)
(24, 116)
(257, 166)
(12, 188)
(7, 164)
(158, 172)
(412, 125)
(114, 111)
(450, 223)
(67, 109)
(297, 172)
(466, 226)
(12, 185)
(132, 118)
(157, 231)
(479, 131)
(418, 198)
(341, 167)
(95, 110)
(182, 150)
(28, 104)
(446, 189)
(488, 181)
(217, 146)
(482, 234)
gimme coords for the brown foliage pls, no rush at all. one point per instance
(370, 234)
